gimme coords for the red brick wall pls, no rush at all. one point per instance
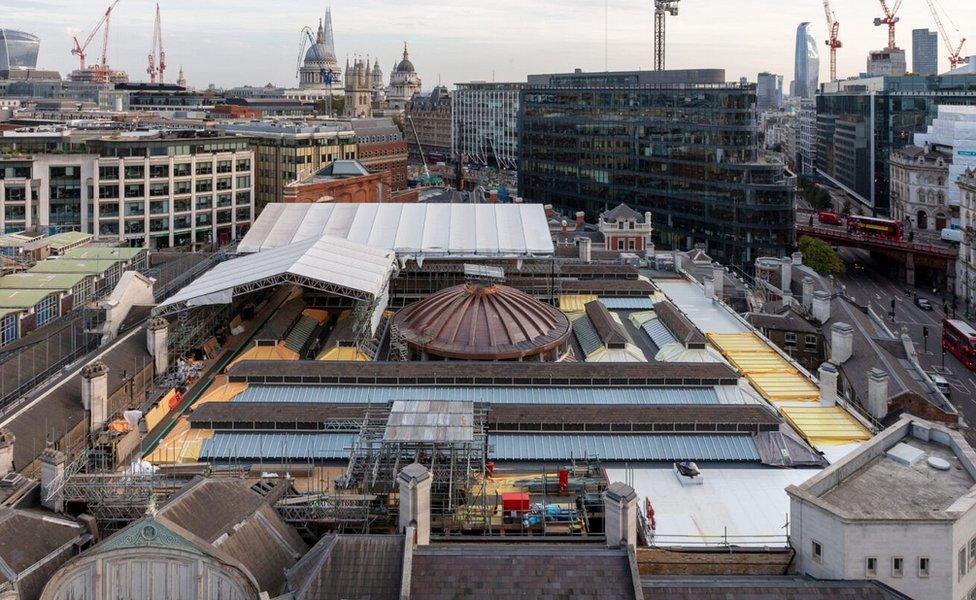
(365, 190)
(386, 156)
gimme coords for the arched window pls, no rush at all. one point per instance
(922, 221)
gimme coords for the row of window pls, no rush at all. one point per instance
(111, 172)
(896, 564)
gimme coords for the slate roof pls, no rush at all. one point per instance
(786, 320)
(763, 588)
(678, 324)
(610, 332)
(350, 567)
(29, 540)
(620, 212)
(518, 571)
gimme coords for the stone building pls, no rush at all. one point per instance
(428, 124)
(404, 82)
(919, 196)
(359, 92)
(626, 230)
(966, 263)
(320, 70)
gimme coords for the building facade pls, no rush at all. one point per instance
(155, 191)
(890, 62)
(769, 92)
(925, 52)
(718, 191)
(966, 263)
(358, 90)
(806, 67)
(486, 123)
(919, 185)
(428, 125)
(380, 146)
(806, 138)
(404, 82)
(18, 50)
(287, 152)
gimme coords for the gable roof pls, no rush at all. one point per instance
(622, 212)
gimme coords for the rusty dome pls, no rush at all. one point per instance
(483, 322)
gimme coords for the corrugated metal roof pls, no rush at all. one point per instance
(95, 266)
(103, 253)
(60, 241)
(491, 395)
(624, 447)
(636, 303)
(570, 303)
(659, 333)
(586, 335)
(271, 446)
(825, 425)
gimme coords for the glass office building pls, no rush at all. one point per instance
(688, 153)
(18, 50)
(806, 78)
(925, 52)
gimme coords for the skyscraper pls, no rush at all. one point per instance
(769, 91)
(925, 52)
(807, 64)
(18, 50)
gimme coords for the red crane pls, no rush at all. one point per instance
(157, 57)
(954, 58)
(889, 19)
(833, 27)
(80, 50)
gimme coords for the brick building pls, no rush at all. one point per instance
(341, 181)
(381, 147)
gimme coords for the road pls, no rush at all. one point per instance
(868, 283)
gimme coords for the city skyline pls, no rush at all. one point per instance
(453, 41)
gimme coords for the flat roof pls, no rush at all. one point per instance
(408, 229)
(708, 316)
(70, 265)
(41, 281)
(22, 298)
(103, 253)
(885, 488)
(637, 447)
(60, 241)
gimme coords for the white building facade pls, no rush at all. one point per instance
(486, 123)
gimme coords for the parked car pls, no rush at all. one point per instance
(923, 303)
(942, 384)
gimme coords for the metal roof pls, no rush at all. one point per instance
(59, 241)
(408, 229)
(825, 425)
(635, 303)
(708, 316)
(95, 266)
(430, 421)
(586, 335)
(326, 259)
(658, 332)
(54, 282)
(103, 253)
(696, 447)
(491, 395)
(22, 298)
(268, 446)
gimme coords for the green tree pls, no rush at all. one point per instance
(819, 256)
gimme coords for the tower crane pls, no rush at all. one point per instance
(80, 49)
(954, 57)
(661, 9)
(833, 42)
(157, 57)
(889, 19)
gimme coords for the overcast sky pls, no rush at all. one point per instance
(233, 42)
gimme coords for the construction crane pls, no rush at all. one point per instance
(889, 19)
(833, 42)
(955, 58)
(157, 57)
(662, 8)
(419, 146)
(80, 50)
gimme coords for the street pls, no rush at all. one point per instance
(868, 283)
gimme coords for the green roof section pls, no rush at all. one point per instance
(55, 282)
(10, 311)
(68, 265)
(22, 298)
(60, 241)
(103, 253)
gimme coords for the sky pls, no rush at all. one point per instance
(236, 42)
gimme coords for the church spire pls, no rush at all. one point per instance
(405, 55)
(320, 36)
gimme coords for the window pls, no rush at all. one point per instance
(620, 244)
(204, 168)
(811, 342)
(923, 566)
(871, 566)
(8, 328)
(108, 172)
(962, 563)
(897, 566)
(818, 552)
(972, 552)
(790, 338)
(46, 309)
(631, 244)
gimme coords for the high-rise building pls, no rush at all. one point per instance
(18, 50)
(769, 91)
(890, 62)
(806, 137)
(486, 123)
(807, 63)
(687, 152)
(925, 52)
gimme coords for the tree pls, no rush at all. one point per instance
(819, 256)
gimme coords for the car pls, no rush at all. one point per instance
(923, 303)
(942, 384)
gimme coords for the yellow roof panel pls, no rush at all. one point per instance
(783, 387)
(825, 425)
(276, 352)
(343, 353)
(569, 303)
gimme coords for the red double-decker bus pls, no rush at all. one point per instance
(959, 339)
(886, 229)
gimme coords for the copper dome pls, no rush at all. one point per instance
(483, 322)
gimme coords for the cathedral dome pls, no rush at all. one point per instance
(405, 65)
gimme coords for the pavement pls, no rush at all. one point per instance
(867, 282)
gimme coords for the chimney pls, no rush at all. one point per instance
(157, 343)
(565, 228)
(414, 482)
(585, 249)
(647, 219)
(797, 258)
(709, 287)
(718, 276)
(785, 275)
(807, 298)
(580, 218)
(841, 343)
(52, 471)
(677, 261)
(649, 249)
(828, 384)
(821, 307)
(94, 393)
(620, 515)
(877, 393)
(550, 213)
(6, 451)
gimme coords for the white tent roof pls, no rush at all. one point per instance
(428, 230)
(336, 264)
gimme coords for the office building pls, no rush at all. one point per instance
(925, 52)
(769, 92)
(719, 191)
(806, 137)
(486, 123)
(966, 263)
(860, 122)
(147, 189)
(380, 146)
(18, 50)
(806, 78)
(428, 125)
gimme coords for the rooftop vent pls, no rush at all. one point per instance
(904, 454)
(939, 464)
